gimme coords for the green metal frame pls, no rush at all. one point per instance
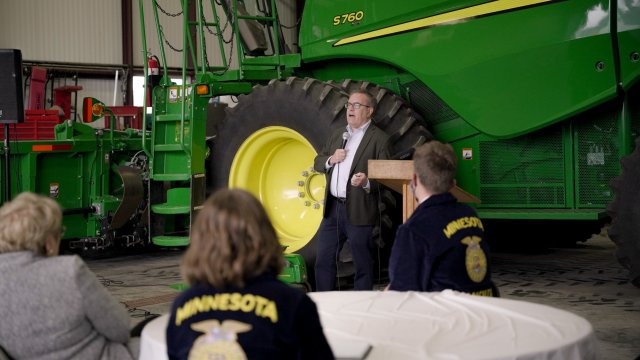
(78, 169)
(485, 76)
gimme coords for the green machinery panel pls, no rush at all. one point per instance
(551, 64)
(78, 169)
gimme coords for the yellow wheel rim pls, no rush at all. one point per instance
(276, 165)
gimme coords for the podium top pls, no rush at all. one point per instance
(396, 173)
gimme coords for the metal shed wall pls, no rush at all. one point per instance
(87, 34)
(76, 31)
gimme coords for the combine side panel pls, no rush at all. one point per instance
(506, 67)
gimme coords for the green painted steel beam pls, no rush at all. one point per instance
(171, 177)
(231, 88)
(169, 209)
(292, 60)
(543, 214)
(170, 240)
(260, 74)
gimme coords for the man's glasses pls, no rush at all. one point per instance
(355, 106)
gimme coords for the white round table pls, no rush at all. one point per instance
(439, 325)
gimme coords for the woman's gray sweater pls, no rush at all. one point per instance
(55, 308)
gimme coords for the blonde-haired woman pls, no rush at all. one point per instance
(53, 307)
(236, 307)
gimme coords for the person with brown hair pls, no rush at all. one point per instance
(442, 244)
(235, 306)
(53, 307)
(351, 198)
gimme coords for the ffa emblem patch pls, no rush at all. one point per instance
(219, 341)
(475, 259)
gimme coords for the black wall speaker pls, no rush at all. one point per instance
(11, 100)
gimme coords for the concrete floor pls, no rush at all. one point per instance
(585, 279)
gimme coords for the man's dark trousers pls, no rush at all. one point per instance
(334, 231)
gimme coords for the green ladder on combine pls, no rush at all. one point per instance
(176, 168)
(177, 148)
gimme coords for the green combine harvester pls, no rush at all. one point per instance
(539, 98)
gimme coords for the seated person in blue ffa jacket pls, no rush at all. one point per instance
(442, 244)
(236, 308)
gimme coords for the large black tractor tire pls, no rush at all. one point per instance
(306, 111)
(625, 214)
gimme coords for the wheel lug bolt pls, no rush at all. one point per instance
(300, 183)
(305, 173)
(300, 194)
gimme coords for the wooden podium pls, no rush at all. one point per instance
(397, 174)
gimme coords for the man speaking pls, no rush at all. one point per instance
(351, 199)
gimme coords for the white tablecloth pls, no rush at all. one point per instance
(445, 325)
(153, 339)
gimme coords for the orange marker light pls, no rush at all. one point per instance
(202, 89)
